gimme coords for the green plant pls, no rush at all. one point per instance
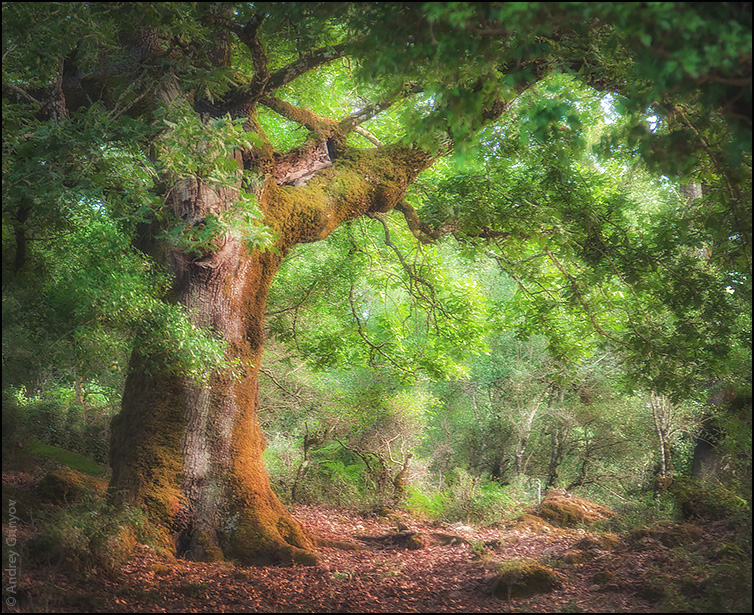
(465, 498)
(427, 504)
(644, 510)
(707, 501)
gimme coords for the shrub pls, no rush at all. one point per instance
(54, 419)
(465, 498)
(427, 504)
(707, 501)
(643, 511)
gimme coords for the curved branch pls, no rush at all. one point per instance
(266, 82)
(307, 62)
(421, 230)
(301, 116)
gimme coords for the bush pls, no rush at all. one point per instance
(54, 419)
(642, 511)
(331, 478)
(707, 501)
(426, 504)
(465, 498)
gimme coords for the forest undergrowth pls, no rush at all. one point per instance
(66, 550)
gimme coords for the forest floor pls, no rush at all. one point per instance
(382, 576)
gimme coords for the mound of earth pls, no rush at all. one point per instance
(564, 509)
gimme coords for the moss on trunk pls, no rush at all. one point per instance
(190, 453)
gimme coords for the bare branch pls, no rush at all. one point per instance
(285, 390)
(301, 116)
(307, 62)
(22, 93)
(368, 111)
(368, 135)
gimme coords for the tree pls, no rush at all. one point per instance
(191, 95)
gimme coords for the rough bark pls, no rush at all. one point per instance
(192, 452)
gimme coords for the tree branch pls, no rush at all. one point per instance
(370, 110)
(265, 82)
(422, 231)
(249, 35)
(307, 62)
(296, 114)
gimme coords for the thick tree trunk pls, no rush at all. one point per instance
(191, 453)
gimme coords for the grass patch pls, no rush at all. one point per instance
(75, 461)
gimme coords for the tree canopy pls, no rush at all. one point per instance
(432, 186)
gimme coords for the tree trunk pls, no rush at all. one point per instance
(524, 431)
(192, 453)
(662, 417)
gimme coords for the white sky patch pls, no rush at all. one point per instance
(608, 109)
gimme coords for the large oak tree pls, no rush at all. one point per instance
(184, 90)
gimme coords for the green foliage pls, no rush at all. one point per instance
(601, 251)
(695, 580)
(708, 501)
(463, 498)
(55, 428)
(643, 509)
(422, 314)
(189, 147)
(574, 271)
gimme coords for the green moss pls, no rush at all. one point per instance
(603, 542)
(577, 557)
(145, 446)
(69, 459)
(67, 486)
(523, 579)
(703, 501)
(530, 523)
(161, 570)
(669, 534)
(603, 578)
(569, 510)
(267, 534)
(213, 554)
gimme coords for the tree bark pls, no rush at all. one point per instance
(662, 415)
(192, 453)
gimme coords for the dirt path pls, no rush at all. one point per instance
(379, 578)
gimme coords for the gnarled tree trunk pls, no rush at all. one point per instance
(192, 453)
